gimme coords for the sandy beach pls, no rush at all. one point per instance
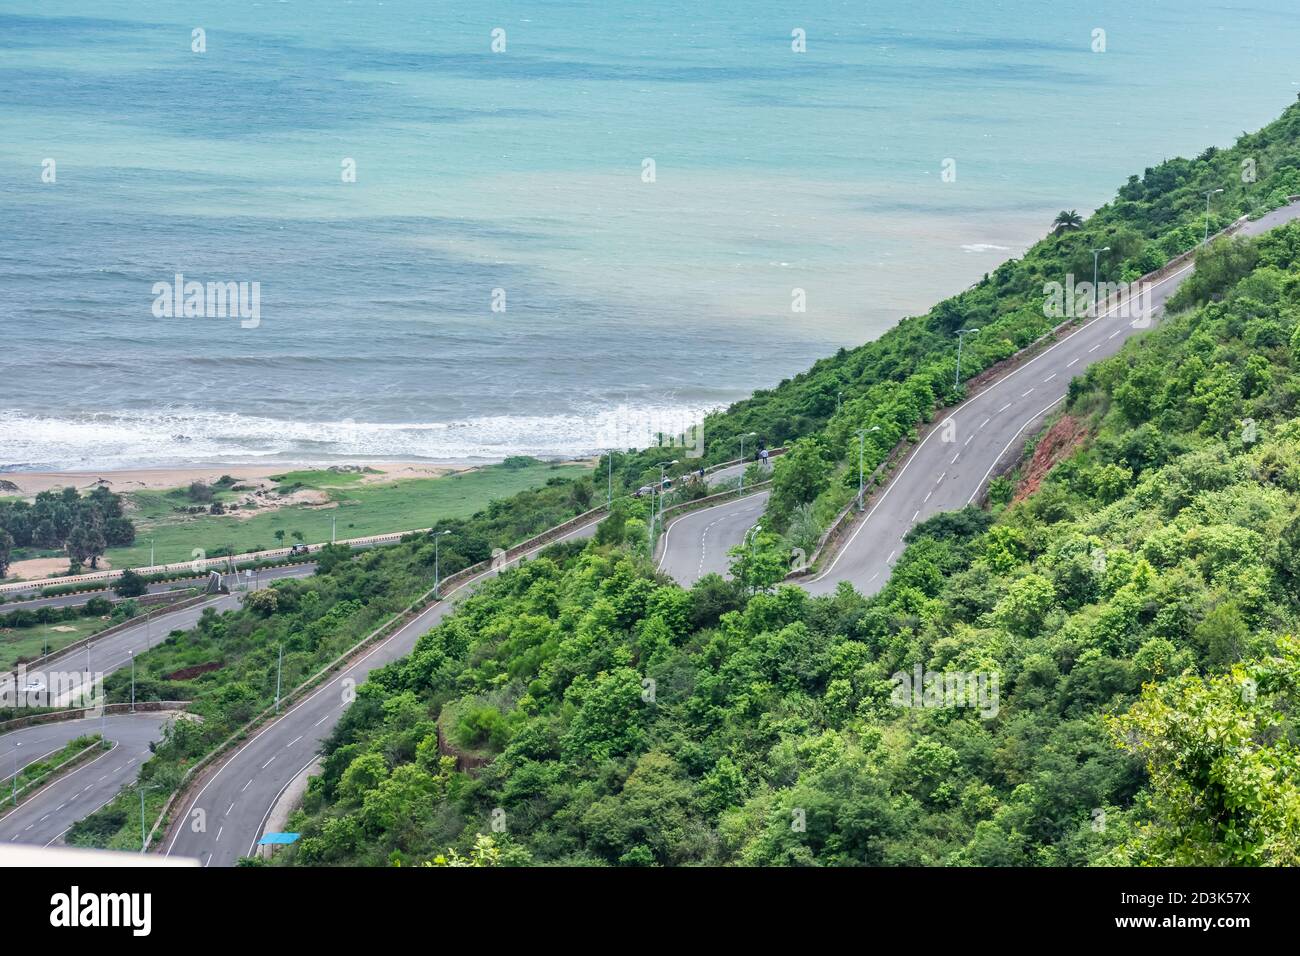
(153, 479)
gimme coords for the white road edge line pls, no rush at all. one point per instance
(971, 402)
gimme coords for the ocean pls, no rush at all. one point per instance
(547, 228)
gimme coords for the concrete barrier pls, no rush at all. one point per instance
(674, 512)
(447, 586)
(834, 535)
(77, 713)
(41, 661)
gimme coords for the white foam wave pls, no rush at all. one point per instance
(131, 440)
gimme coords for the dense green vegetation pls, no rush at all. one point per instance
(227, 664)
(598, 714)
(82, 526)
(894, 383)
(1126, 626)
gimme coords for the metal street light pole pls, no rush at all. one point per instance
(1096, 254)
(15, 775)
(133, 682)
(862, 435)
(1207, 214)
(151, 561)
(961, 337)
(609, 492)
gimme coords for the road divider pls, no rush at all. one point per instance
(150, 615)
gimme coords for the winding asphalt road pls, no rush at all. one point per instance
(696, 544)
(46, 817)
(952, 464)
(107, 654)
(946, 471)
(224, 819)
(264, 576)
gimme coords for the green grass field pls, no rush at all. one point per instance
(30, 642)
(362, 509)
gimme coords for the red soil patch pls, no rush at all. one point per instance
(185, 673)
(1057, 443)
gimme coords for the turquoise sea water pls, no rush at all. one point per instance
(630, 306)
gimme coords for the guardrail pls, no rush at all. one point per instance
(77, 645)
(447, 587)
(831, 538)
(674, 512)
(77, 713)
(834, 534)
(771, 453)
(29, 789)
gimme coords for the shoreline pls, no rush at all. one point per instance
(163, 478)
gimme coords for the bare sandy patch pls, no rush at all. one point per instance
(268, 499)
(35, 568)
(30, 483)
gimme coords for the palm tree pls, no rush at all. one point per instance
(1066, 221)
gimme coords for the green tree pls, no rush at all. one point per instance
(799, 476)
(130, 584)
(1224, 774)
(6, 551)
(761, 563)
(1066, 221)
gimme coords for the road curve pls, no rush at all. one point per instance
(107, 654)
(46, 817)
(951, 465)
(265, 576)
(696, 544)
(224, 819)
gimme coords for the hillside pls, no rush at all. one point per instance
(1127, 678)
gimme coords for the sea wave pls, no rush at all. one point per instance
(127, 439)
